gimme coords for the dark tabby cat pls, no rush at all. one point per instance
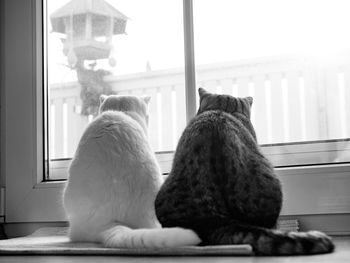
(223, 188)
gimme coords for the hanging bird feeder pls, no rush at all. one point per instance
(89, 26)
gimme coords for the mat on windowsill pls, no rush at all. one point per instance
(53, 241)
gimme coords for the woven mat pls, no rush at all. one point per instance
(53, 241)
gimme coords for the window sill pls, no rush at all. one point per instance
(319, 189)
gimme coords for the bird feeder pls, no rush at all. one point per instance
(88, 26)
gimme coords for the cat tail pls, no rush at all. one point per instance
(119, 236)
(271, 242)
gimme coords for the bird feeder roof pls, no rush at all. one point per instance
(80, 7)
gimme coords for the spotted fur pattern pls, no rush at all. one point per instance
(223, 187)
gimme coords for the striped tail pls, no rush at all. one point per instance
(271, 242)
(119, 236)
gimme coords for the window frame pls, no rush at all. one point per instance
(30, 199)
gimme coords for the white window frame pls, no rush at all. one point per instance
(28, 198)
(319, 189)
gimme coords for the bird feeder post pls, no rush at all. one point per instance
(88, 26)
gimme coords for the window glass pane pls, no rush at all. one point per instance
(293, 58)
(113, 47)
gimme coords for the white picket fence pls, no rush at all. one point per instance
(294, 100)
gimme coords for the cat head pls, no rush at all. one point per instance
(226, 103)
(130, 104)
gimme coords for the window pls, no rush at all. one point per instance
(293, 58)
(301, 103)
(112, 47)
(313, 189)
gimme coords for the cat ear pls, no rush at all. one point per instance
(146, 99)
(103, 98)
(202, 92)
(250, 100)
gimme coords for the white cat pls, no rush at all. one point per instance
(114, 179)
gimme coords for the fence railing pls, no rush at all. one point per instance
(294, 100)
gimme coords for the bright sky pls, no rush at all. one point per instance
(225, 30)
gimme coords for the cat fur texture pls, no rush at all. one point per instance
(113, 181)
(224, 188)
